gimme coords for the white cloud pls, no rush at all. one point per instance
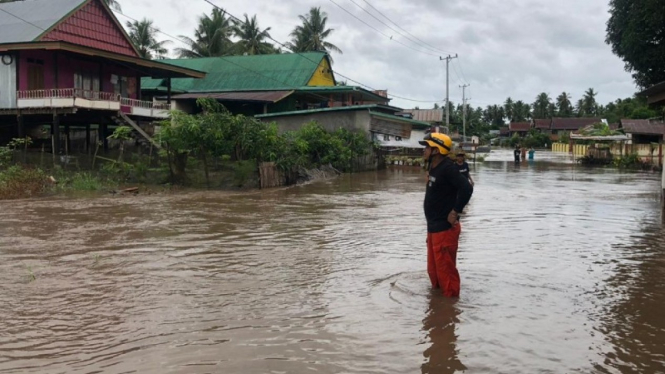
(506, 48)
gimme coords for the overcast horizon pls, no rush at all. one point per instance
(506, 48)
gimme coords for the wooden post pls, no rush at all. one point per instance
(20, 126)
(53, 149)
(663, 195)
(94, 159)
(87, 138)
(68, 145)
(102, 136)
(56, 134)
(41, 159)
(150, 155)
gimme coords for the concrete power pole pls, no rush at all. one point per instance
(464, 111)
(448, 59)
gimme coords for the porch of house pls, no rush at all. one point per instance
(76, 98)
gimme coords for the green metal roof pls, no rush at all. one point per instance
(334, 109)
(414, 123)
(243, 73)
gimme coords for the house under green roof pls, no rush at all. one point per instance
(250, 73)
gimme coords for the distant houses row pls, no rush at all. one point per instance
(640, 131)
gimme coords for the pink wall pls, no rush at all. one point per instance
(67, 66)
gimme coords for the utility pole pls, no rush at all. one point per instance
(448, 59)
(464, 111)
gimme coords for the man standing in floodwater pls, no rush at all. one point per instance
(447, 193)
(463, 166)
(517, 153)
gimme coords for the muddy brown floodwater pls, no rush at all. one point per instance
(563, 271)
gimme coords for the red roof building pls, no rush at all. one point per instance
(71, 61)
(521, 128)
(643, 131)
(572, 124)
(542, 124)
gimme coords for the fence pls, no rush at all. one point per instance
(648, 153)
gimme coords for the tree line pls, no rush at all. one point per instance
(481, 120)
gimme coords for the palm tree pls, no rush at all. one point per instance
(579, 108)
(212, 37)
(509, 109)
(312, 34)
(590, 105)
(521, 111)
(541, 106)
(113, 4)
(252, 39)
(564, 106)
(142, 34)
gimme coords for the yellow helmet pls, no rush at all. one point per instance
(442, 142)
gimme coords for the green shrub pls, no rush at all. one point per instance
(243, 171)
(85, 182)
(18, 182)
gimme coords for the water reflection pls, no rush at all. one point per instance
(633, 322)
(442, 356)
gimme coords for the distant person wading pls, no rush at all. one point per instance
(447, 193)
(463, 167)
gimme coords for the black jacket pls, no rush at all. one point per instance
(447, 189)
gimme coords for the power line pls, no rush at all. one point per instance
(388, 26)
(459, 78)
(462, 70)
(316, 62)
(415, 37)
(380, 32)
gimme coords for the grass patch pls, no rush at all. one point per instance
(86, 182)
(18, 182)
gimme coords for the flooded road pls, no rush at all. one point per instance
(563, 271)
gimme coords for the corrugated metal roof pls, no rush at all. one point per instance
(244, 73)
(643, 127)
(417, 124)
(256, 96)
(542, 123)
(39, 15)
(354, 90)
(334, 109)
(573, 123)
(93, 26)
(520, 126)
(426, 115)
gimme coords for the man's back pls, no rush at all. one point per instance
(447, 189)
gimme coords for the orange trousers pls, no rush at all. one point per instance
(442, 260)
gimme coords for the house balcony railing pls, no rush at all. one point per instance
(87, 99)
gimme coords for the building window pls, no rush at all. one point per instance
(398, 138)
(386, 138)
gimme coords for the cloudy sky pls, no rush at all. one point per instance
(515, 48)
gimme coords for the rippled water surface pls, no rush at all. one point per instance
(563, 271)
